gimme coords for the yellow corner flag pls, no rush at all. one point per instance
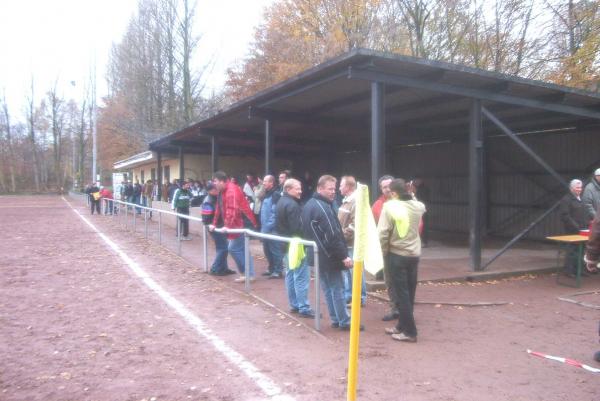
(367, 252)
(367, 248)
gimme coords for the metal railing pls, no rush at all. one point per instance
(122, 214)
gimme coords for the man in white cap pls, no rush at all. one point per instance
(591, 194)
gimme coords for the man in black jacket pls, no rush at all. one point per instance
(320, 224)
(289, 224)
(575, 217)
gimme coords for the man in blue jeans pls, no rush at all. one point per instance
(219, 266)
(289, 224)
(268, 219)
(320, 224)
(398, 229)
(234, 210)
(346, 215)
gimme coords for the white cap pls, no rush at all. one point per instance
(597, 172)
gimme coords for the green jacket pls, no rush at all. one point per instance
(398, 227)
(181, 198)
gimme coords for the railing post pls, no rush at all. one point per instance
(178, 235)
(146, 223)
(247, 262)
(205, 244)
(159, 228)
(126, 213)
(134, 213)
(317, 290)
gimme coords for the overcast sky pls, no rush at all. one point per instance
(59, 39)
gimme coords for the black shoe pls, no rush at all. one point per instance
(308, 315)
(294, 310)
(218, 273)
(335, 325)
(390, 316)
(347, 328)
(267, 273)
(229, 271)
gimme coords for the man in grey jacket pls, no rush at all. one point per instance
(591, 194)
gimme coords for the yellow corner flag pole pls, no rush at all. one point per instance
(354, 330)
(360, 241)
(367, 255)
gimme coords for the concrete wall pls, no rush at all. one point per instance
(198, 167)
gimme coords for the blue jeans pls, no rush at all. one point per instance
(297, 283)
(220, 263)
(348, 283)
(136, 200)
(272, 250)
(236, 250)
(332, 284)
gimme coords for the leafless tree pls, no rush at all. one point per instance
(6, 124)
(30, 114)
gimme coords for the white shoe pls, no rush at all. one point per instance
(242, 279)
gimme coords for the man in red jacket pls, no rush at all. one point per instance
(233, 211)
(384, 185)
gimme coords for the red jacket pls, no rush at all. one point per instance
(377, 207)
(106, 193)
(234, 206)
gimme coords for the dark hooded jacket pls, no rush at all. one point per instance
(320, 224)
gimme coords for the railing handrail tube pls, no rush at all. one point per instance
(245, 232)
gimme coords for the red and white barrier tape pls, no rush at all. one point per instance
(565, 360)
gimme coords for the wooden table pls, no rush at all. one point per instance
(573, 239)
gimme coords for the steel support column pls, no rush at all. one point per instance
(268, 147)
(181, 165)
(214, 152)
(377, 135)
(475, 185)
(159, 175)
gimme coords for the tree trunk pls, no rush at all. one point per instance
(187, 81)
(31, 120)
(10, 157)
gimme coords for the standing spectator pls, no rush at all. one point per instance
(398, 230)
(346, 215)
(148, 191)
(384, 185)
(592, 258)
(107, 194)
(591, 194)
(422, 194)
(128, 192)
(171, 189)
(233, 209)
(137, 196)
(309, 186)
(272, 249)
(320, 224)
(181, 203)
(259, 195)
(289, 224)
(94, 195)
(164, 191)
(219, 266)
(282, 178)
(249, 185)
(575, 216)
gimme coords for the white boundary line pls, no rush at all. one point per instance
(267, 385)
